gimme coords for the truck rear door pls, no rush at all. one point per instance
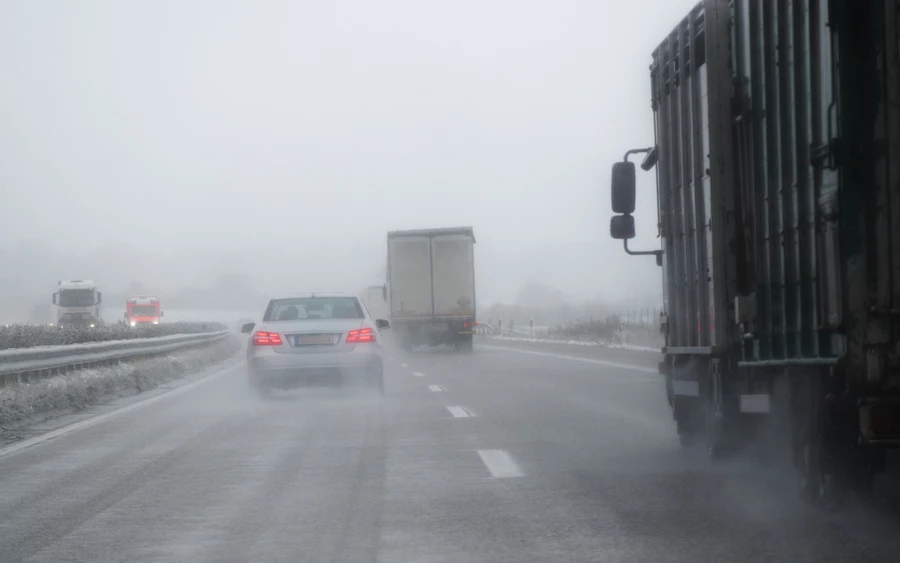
(453, 275)
(410, 277)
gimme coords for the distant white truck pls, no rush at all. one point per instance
(76, 303)
(431, 286)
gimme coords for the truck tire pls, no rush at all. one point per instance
(404, 340)
(689, 418)
(263, 391)
(824, 479)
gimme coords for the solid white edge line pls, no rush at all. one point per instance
(499, 463)
(575, 359)
(436, 388)
(458, 412)
(81, 425)
(418, 374)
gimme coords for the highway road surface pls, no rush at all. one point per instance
(515, 453)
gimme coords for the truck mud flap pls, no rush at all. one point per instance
(685, 388)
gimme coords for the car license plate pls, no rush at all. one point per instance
(312, 339)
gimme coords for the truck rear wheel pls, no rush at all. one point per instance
(463, 343)
(404, 340)
(826, 472)
(263, 390)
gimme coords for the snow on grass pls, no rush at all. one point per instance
(27, 336)
(32, 402)
(601, 343)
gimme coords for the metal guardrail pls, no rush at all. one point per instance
(23, 364)
(483, 329)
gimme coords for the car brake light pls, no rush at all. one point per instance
(361, 335)
(262, 338)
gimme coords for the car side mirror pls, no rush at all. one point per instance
(382, 324)
(623, 187)
(621, 227)
(248, 328)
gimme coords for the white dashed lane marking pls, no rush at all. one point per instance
(499, 463)
(418, 374)
(459, 412)
(436, 388)
(404, 366)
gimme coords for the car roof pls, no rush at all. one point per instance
(316, 294)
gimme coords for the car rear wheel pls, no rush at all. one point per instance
(263, 391)
(376, 382)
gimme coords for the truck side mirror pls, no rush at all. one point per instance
(161, 314)
(623, 188)
(621, 227)
(99, 298)
(247, 328)
(384, 292)
(55, 297)
(382, 324)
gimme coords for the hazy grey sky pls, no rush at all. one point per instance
(295, 134)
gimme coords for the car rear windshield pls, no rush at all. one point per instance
(312, 308)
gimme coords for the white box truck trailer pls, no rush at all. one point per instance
(374, 297)
(431, 286)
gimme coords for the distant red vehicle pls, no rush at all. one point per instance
(142, 310)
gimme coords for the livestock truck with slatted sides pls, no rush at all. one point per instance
(777, 162)
(431, 287)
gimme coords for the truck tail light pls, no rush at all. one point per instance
(263, 338)
(885, 421)
(361, 335)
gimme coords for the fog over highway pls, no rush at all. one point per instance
(360, 281)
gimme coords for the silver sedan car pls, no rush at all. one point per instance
(314, 339)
